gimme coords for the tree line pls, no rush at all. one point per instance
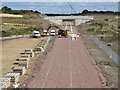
(85, 12)
(5, 9)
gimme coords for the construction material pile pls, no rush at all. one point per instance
(22, 64)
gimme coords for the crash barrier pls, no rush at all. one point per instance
(115, 57)
(14, 37)
(23, 63)
(4, 83)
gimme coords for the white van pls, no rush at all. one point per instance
(36, 34)
(45, 32)
(52, 32)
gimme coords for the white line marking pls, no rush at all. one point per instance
(71, 77)
(66, 26)
(71, 28)
(51, 65)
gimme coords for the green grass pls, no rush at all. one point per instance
(9, 27)
(99, 27)
(103, 17)
(21, 31)
(20, 21)
(19, 26)
(24, 25)
(14, 26)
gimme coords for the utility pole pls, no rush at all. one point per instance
(62, 11)
(72, 9)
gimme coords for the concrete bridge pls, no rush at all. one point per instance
(76, 20)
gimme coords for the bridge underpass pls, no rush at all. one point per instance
(76, 20)
(72, 21)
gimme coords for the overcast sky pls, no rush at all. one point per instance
(60, 0)
(61, 6)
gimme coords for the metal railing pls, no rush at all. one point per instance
(114, 56)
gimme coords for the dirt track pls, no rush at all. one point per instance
(68, 66)
(11, 50)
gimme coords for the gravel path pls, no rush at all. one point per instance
(68, 66)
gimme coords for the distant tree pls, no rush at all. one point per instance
(95, 11)
(37, 12)
(106, 19)
(5, 9)
(85, 11)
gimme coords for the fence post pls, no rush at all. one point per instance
(110, 53)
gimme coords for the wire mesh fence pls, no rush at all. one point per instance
(114, 56)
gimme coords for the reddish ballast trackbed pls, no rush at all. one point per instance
(69, 65)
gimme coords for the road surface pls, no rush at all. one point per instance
(68, 66)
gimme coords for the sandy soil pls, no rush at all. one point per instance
(108, 68)
(10, 15)
(13, 24)
(11, 50)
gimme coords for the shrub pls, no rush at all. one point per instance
(106, 19)
(91, 29)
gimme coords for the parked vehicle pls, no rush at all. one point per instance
(36, 34)
(45, 33)
(52, 32)
(61, 33)
(64, 33)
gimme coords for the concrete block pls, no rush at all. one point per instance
(28, 50)
(4, 83)
(39, 48)
(73, 38)
(23, 59)
(41, 44)
(19, 69)
(25, 56)
(42, 50)
(32, 54)
(14, 77)
(23, 64)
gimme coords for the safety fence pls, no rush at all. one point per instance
(15, 37)
(114, 56)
